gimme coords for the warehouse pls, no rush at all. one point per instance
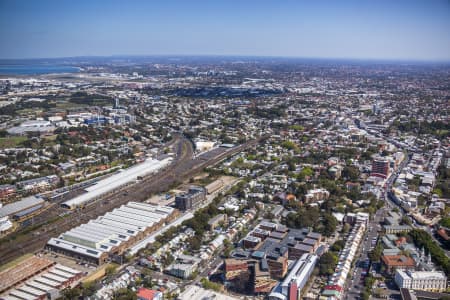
(23, 208)
(38, 286)
(111, 234)
(116, 181)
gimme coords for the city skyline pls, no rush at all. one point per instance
(364, 30)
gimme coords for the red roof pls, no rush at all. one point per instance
(147, 294)
(293, 291)
(443, 234)
(334, 287)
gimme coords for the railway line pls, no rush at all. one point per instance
(183, 167)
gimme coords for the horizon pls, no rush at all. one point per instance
(236, 56)
(350, 30)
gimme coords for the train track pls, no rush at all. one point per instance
(184, 167)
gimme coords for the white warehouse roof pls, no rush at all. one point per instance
(117, 180)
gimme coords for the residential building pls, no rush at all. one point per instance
(146, 294)
(380, 167)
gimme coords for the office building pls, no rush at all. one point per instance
(435, 281)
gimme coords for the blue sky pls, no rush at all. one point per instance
(378, 29)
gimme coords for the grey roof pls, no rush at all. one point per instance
(18, 206)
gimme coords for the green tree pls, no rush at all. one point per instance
(376, 253)
(327, 263)
(71, 293)
(329, 224)
(350, 173)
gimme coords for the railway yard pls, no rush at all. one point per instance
(55, 220)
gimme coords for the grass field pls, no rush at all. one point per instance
(68, 105)
(10, 142)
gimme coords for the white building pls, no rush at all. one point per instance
(5, 224)
(299, 275)
(421, 280)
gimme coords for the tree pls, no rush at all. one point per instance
(70, 294)
(376, 253)
(210, 285)
(365, 295)
(124, 294)
(329, 224)
(445, 222)
(327, 263)
(337, 246)
(405, 220)
(306, 171)
(111, 269)
(89, 288)
(423, 240)
(350, 173)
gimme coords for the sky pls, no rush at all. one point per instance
(360, 29)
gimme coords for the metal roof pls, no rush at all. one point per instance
(54, 277)
(60, 243)
(30, 290)
(22, 295)
(145, 221)
(39, 286)
(18, 206)
(146, 213)
(28, 211)
(117, 180)
(110, 216)
(131, 229)
(124, 236)
(67, 269)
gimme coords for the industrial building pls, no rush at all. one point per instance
(21, 209)
(36, 278)
(116, 181)
(43, 127)
(192, 199)
(5, 224)
(111, 234)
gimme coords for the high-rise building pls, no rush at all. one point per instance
(380, 167)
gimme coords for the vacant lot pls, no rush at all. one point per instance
(11, 142)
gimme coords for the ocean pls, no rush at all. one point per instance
(30, 69)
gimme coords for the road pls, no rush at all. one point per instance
(355, 284)
(402, 212)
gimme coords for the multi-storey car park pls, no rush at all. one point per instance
(100, 239)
